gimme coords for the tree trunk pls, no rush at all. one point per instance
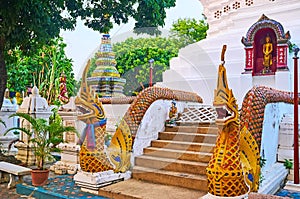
(3, 72)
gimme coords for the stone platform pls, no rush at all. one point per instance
(135, 189)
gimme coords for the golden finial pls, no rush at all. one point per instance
(223, 54)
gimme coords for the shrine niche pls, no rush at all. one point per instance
(266, 47)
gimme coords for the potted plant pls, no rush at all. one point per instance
(42, 135)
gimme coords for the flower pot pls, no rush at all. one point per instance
(39, 177)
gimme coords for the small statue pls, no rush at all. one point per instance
(19, 99)
(173, 115)
(63, 95)
(267, 51)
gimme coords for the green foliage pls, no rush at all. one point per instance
(43, 135)
(288, 164)
(133, 57)
(262, 163)
(29, 24)
(151, 13)
(147, 13)
(23, 21)
(190, 30)
(42, 68)
(291, 46)
(92, 67)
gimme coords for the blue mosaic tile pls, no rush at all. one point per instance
(287, 193)
(58, 187)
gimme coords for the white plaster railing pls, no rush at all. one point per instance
(152, 123)
(198, 113)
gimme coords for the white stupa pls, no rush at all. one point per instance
(195, 68)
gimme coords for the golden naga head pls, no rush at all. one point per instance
(90, 109)
(224, 101)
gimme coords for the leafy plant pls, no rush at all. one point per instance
(262, 163)
(288, 164)
(30, 24)
(42, 68)
(133, 57)
(42, 135)
(189, 30)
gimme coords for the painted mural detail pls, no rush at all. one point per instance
(93, 156)
(230, 171)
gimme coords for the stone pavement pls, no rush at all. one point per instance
(64, 185)
(10, 193)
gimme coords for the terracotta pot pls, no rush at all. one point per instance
(39, 177)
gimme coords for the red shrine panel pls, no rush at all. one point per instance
(266, 47)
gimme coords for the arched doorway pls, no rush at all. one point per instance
(258, 46)
(255, 61)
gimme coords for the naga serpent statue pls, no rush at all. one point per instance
(234, 166)
(237, 151)
(93, 157)
(253, 107)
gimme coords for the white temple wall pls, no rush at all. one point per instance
(273, 115)
(9, 122)
(114, 114)
(197, 63)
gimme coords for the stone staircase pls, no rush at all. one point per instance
(178, 157)
(286, 142)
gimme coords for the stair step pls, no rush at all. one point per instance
(193, 129)
(178, 154)
(196, 124)
(171, 164)
(191, 181)
(188, 137)
(137, 189)
(189, 146)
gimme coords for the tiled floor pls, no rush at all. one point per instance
(61, 186)
(291, 194)
(65, 186)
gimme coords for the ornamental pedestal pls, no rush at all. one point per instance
(37, 107)
(8, 108)
(91, 182)
(69, 148)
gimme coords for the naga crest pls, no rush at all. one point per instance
(90, 109)
(225, 171)
(224, 101)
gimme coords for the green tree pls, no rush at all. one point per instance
(151, 14)
(29, 23)
(189, 30)
(43, 67)
(133, 57)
